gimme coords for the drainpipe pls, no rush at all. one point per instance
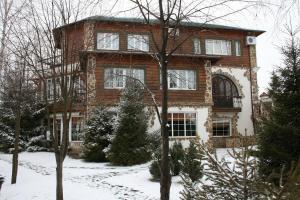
(251, 95)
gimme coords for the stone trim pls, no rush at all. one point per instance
(88, 38)
(91, 82)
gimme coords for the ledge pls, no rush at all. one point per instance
(218, 109)
(212, 58)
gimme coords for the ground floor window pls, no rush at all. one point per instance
(182, 124)
(221, 127)
(76, 129)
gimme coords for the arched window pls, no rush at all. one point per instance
(224, 91)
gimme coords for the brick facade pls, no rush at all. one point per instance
(96, 61)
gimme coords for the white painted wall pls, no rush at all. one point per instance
(244, 117)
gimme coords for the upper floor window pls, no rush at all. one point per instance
(138, 42)
(218, 47)
(116, 77)
(51, 82)
(197, 46)
(237, 48)
(182, 79)
(108, 41)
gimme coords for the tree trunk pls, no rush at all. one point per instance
(59, 179)
(15, 161)
(165, 180)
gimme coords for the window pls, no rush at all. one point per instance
(108, 41)
(197, 46)
(138, 42)
(221, 127)
(116, 77)
(50, 88)
(182, 79)
(238, 48)
(218, 47)
(182, 124)
(76, 128)
(173, 32)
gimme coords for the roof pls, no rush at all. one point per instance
(153, 21)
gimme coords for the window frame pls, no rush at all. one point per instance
(197, 46)
(135, 37)
(219, 120)
(229, 47)
(178, 80)
(111, 48)
(171, 125)
(122, 77)
(71, 129)
(238, 48)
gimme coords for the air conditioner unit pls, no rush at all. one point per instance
(251, 40)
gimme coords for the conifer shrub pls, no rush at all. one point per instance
(192, 166)
(129, 146)
(154, 168)
(177, 157)
(97, 135)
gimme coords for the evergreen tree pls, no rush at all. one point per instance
(192, 166)
(129, 147)
(97, 135)
(233, 178)
(280, 134)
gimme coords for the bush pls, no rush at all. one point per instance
(192, 162)
(97, 135)
(154, 168)
(177, 157)
(7, 139)
(36, 144)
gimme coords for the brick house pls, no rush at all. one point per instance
(212, 75)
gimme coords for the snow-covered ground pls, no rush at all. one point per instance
(82, 180)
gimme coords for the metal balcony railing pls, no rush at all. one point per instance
(227, 101)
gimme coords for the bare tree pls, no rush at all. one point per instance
(54, 59)
(17, 94)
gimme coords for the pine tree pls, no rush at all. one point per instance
(280, 134)
(192, 166)
(129, 147)
(97, 135)
(226, 179)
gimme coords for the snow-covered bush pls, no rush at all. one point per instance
(98, 135)
(37, 143)
(7, 139)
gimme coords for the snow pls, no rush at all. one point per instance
(82, 180)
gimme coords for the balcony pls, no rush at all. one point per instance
(227, 103)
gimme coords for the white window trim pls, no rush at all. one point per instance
(178, 80)
(183, 112)
(138, 40)
(111, 47)
(197, 46)
(238, 47)
(58, 87)
(222, 120)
